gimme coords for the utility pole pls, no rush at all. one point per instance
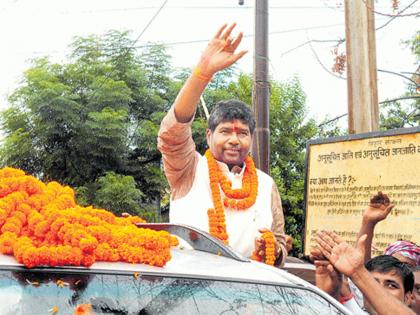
(362, 90)
(261, 89)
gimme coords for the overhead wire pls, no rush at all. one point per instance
(134, 42)
(284, 7)
(196, 41)
(398, 15)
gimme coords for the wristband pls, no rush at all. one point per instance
(197, 73)
(344, 299)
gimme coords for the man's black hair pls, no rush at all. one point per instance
(387, 263)
(229, 111)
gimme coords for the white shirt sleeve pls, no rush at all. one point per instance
(353, 307)
(358, 295)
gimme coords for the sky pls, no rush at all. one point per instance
(30, 29)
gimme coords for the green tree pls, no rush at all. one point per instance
(117, 193)
(290, 130)
(98, 113)
(404, 111)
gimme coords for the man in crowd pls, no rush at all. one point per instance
(385, 282)
(404, 251)
(221, 192)
(377, 211)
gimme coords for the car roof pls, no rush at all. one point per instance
(208, 262)
(212, 259)
(186, 263)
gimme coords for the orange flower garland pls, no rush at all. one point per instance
(270, 256)
(83, 309)
(41, 224)
(239, 199)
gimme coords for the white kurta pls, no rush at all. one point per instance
(241, 225)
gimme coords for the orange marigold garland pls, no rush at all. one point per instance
(83, 309)
(270, 256)
(239, 199)
(41, 224)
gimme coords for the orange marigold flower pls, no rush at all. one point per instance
(10, 227)
(42, 225)
(83, 309)
(239, 199)
(7, 239)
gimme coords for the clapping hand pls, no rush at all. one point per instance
(327, 278)
(345, 258)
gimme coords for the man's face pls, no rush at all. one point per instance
(230, 142)
(393, 283)
(416, 293)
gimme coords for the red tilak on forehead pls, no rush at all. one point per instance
(236, 126)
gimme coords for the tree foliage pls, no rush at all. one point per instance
(98, 113)
(405, 111)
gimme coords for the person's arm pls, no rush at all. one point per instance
(350, 261)
(179, 156)
(353, 307)
(218, 55)
(277, 228)
(329, 279)
(175, 138)
(378, 209)
(382, 301)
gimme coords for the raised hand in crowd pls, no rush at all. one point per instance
(350, 261)
(378, 209)
(345, 258)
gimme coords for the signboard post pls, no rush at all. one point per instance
(344, 173)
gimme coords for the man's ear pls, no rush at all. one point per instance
(408, 298)
(208, 136)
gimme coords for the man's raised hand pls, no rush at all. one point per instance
(220, 52)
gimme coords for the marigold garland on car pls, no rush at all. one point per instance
(83, 309)
(41, 224)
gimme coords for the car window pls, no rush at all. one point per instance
(23, 292)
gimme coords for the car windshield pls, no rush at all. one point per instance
(28, 292)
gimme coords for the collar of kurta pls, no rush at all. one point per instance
(236, 170)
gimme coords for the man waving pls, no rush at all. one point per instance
(221, 192)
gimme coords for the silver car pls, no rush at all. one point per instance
(203, 277)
